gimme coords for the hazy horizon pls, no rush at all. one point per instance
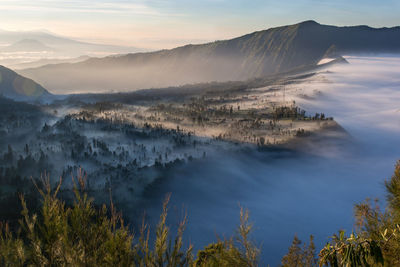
(160, 24)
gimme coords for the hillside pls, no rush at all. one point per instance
(17, 87)
(257, 54)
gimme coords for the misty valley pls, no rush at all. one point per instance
(294, 132)
(126, 145)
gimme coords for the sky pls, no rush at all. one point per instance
(155, 24)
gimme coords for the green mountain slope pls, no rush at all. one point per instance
(260, 53)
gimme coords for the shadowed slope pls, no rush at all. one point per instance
(17, 87)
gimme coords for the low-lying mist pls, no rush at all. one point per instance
(137, 71)
(305, 192)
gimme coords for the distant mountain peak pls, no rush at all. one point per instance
(28, 45)
(309, 22)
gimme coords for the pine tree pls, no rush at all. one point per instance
(294, 258)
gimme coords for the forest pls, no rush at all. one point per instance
(114, 155)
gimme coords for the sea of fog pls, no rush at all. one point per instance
(310, 192)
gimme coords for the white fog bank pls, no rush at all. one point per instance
(299, 193)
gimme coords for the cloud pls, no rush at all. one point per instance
(81, 6)
(362, 95)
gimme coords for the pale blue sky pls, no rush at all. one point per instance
(167, 23)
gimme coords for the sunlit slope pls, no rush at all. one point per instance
(260, 53)
(17, 87)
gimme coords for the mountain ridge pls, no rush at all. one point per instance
(256, 54)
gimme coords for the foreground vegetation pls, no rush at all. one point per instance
(83, 235)
(376, 241)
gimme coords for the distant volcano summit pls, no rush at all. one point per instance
(28, 45)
